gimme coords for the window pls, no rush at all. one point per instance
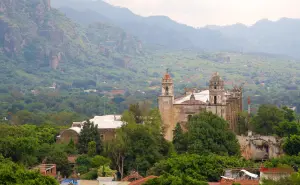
(167, 90)
(215, 87)
(215, 99)
(102, 137)
(189, 117)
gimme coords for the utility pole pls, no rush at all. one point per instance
(249, 112)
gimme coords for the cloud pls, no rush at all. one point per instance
(219, 12)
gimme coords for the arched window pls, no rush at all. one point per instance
(215, 99)
(167, 90)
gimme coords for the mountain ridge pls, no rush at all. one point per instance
(273, 37)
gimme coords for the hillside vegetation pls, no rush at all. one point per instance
(42, 47)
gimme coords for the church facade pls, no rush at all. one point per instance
(225, 103)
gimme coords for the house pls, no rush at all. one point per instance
(47, 169)
(143, 180)
(107, 126)
(275, 173)
(117, 92)
(251, 177)
(241, 176)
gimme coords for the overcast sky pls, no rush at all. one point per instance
(218, 12)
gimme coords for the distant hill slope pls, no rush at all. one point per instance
(39, 46)
(279, 37)
(154, 30)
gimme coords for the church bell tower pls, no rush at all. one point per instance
(167, 85)
(216, 90)
(165, 105)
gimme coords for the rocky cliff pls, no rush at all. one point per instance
(42, 35)
(40, 45)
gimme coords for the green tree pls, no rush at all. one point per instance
(289, 114)
(97, 139)
(105, 171)
(208, 133)
(116, 150)
(59, 157)
(242, 125)
(168, 179)
(190, 166)
(89, 133)
(98, 161)
(128, 117)
(286, 128)
(92, 148)
(267, 119)
(11, 173)
(83, 164)
(136, 111)
(71, 148)
(284, 161)
(179, 140)
(138, 146)
(291, 145)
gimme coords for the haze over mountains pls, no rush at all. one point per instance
(281, 37)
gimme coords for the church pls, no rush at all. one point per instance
(225, 103)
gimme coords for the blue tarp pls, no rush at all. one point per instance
(68, 181)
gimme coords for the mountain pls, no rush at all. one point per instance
(153, 30)
(279, 37)
(40, 46)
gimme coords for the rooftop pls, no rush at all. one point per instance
(202, 96)
(107, 121)
(103, 122)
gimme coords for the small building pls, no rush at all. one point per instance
(254, 176)
(107, 126)
(143, 180)
(47, 169)
(90, 91)
(256, 147)
(116, 92)
(241, 176)
(275, 174)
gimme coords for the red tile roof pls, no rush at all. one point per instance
(117, 92)
(143, 180)
(72, 159)
(214, 183)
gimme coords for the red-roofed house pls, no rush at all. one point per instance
(143, 180)
(117, 92)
